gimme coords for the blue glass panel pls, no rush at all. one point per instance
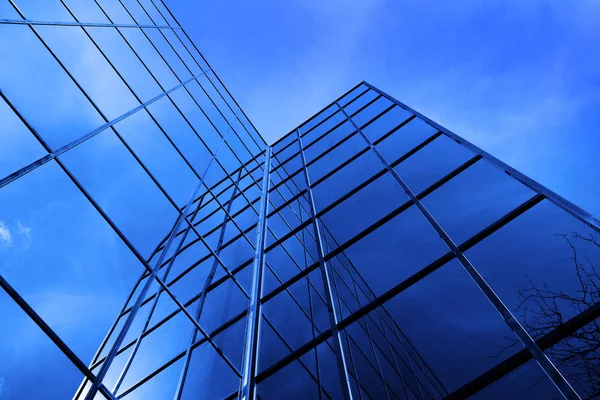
(385, 123)
(374, 202)
(361, 101)
(158, 347)
(161, 386)
(152, 146)
(18, 146)
(208, 376)
(181, 133)
(373, 110)
(344, 180)
(318, 118)
(204, 129)
(474, 199)
(126, 61)
(405, 139)
(50, 10)
(526, 382)
(577, 355)
(222, 304)
(396, 250)
(66, 114)
(150, 57)
(91, 273)
(540, 263)
(314, 149)
(87, 65)
(341, 153)
(353, 94)
(28, 355)
(123, 190)
(444, 326)
(168, 54)
(291, 382)
(432, 163)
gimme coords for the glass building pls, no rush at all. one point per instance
(153, 246)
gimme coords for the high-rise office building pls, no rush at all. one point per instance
(153, 246)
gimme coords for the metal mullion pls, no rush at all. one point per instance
(397, 128)
(350, 267)
(82, 24)
(94, 105)
(366, 327)
(53, 154)
(96, 384)
(314, 116)
(549, 368)
(354, 98)
(153, 272)
(247, 389)
(48, 331)
(326, 276)
(186, 66)
(167, 136)
(178, 79)
(505, 367)
(558, 200)
(396, 329)
(202, 299)
(377, 368)
(216, 76)
(191, 73)
(380, 300)
(210, 151)
(310, 307)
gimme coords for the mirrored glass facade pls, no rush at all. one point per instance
(153, 246)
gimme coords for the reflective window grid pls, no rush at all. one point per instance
(154, 247)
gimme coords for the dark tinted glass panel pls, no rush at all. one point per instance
(432, 163)
(545, 255)
(403, 246)
(474, 199)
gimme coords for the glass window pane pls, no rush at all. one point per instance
(372, 111)
(374, 202)
(385, 123)
(18, 146)
(28, 355)
(122, 188)
(63, 258)
(396, 250)
(405, 139)
(67, 113)
(474, 199)
(432, 163)
(541, 265)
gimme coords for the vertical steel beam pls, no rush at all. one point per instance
(327, 283)
(252, 340)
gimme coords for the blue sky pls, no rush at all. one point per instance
(518, 78)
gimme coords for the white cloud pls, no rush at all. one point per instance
(23, 230)
(2, 382)
(5, 236)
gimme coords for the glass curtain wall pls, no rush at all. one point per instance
(152, 246)
(407, 263)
